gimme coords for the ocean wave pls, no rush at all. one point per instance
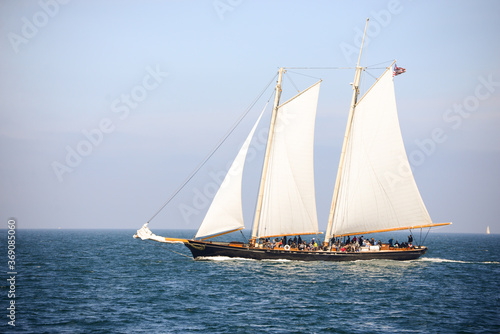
(440, 260)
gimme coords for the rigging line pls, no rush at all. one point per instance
(204, 161)
(384, 62)
(319, 68)
(423, 242)
(374, 77)
(177, 252)
(362, 82)
(293, 83)
(244, 236)
(310, 76)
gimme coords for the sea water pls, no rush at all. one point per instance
(104, 281)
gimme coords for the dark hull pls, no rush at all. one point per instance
(211, 249)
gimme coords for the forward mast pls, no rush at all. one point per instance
(258, 209)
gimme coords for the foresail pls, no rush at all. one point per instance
(145, 234)
(289, 204)
(226, 213)
(377, 189)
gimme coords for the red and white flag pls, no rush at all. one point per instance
(398, 70)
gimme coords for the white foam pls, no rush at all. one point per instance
(439, 260)
(227, 258)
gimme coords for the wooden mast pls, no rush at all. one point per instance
(355, 87)
(266, 158)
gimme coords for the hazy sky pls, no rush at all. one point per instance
(107, 106)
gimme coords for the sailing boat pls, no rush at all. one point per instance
(374, 191)
(488, 229)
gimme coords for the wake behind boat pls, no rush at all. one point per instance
(374, 190)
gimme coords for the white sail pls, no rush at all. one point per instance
(487, 230)
(145, 234)
(289, 204)
(226, 213)
(377, 190)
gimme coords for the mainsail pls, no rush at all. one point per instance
(289, 202)
(225, 213)
(377, 189)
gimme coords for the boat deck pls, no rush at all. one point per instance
(201, 249)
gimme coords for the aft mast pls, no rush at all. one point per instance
(258, 210)
(355, 87)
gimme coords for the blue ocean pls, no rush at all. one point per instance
(104, 281)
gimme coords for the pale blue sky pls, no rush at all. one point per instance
(67, 69)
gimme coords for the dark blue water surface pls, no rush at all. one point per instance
(88, 281)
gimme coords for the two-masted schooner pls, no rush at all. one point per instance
(374, 190)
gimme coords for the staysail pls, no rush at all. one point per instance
(289, 202)
(377, 189)
(225, 213)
